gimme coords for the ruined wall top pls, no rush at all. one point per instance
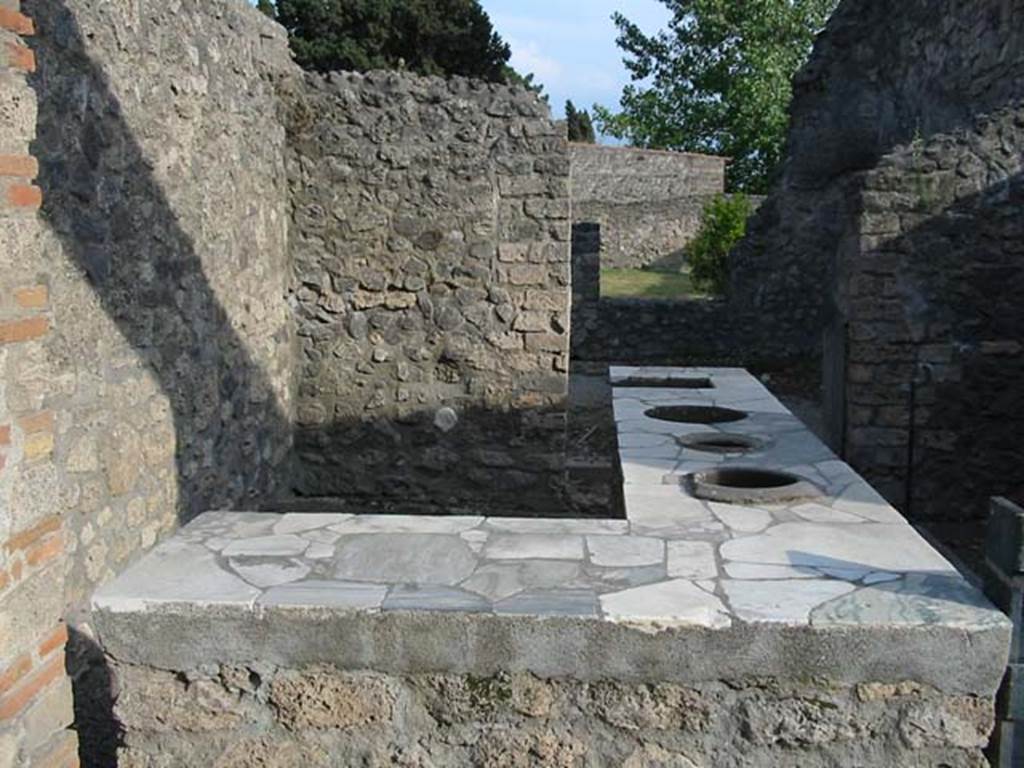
(884, 73)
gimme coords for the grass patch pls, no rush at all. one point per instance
(647, 284)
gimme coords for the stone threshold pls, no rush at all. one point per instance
(838, 586)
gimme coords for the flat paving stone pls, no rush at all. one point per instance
(615, 551)
(498, 580)
(504, 546)
(404, 558)
(871, 547)
(175, 573)
(691, 560)
(677, 602)
(916, 600)
(327, 594)
(270, 574)
(414, 597)
(565, 602)
(781, 602)
(266, 546)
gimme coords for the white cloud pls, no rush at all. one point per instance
(528, 57)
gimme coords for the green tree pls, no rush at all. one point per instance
(581, 128)
(723, 223)
(267, 7)
(528, 82)
(432, 37)
(717, 80)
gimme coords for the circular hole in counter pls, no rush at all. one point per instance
(695, 414)
(749, 485)
(652, 382)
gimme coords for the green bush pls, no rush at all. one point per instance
(723, 224)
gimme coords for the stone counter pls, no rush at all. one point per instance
(818, 632)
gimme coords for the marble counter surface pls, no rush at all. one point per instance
(845, 559)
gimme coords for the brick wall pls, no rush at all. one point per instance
(35, 691)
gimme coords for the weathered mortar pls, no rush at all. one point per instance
(431, 247)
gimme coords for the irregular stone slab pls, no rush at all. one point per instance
(754, 572)
(870, 546)
(269, 573)
(406, 524)
(299, 522)
(434, 599)
(862, 500)
(625, 551)
(507, 546)
(318, 551)
(616, 579)
(175, 573)
(328, 594)
(818, 513)
(267, 546)
(671, 603)
(663, 505)
(566, 602)
(691, 560)
(499, 580)
(741, 519)
(539, 525)
(917, 599)
(781, 602)
(647, 471)
(404, 558)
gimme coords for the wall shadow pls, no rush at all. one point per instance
(935, 328)
(122, 235)
(118, 228)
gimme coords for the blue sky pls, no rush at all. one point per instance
(570, 44)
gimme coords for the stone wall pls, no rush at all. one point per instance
(929, 298)
(322, 716)
(648, 202)
(431, 247)
(664, 332)
(879, 76)
(652, 234)
(35, 537)
(145, 372)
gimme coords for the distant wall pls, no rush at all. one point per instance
(648, 202)
(431, 246)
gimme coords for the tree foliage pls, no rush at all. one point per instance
(432, 37)
(717, 80)
(723, 224)
(528, 82)
(581, 128)
(267, 8)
